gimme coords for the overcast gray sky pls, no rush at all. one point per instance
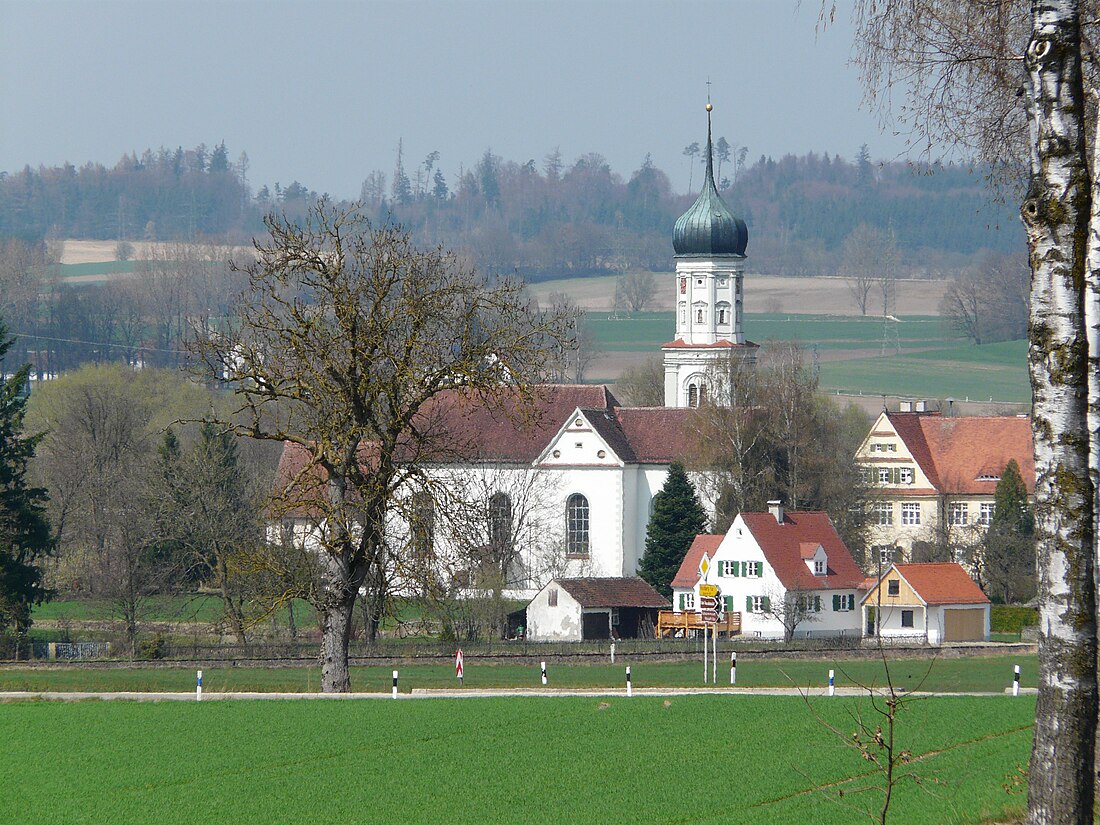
(322, 91)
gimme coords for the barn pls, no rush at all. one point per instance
(594, 608)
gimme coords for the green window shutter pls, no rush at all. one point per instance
(851, 602)
(836, 601)
(817, 604)
(729, 603)
(736, 568)
(748, 603)
(683, 600)
(766, 604)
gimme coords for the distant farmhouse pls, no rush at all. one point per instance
(788, 574)
(934, 474)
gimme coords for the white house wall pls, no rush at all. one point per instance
(562, 623)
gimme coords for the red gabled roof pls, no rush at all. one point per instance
(782, 547)
(688, 574)
(613, 592)
(954, 452)
(942, 583)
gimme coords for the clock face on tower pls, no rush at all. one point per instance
(683, 286)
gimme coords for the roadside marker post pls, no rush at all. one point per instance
(395, 684)
(1016, 681)
(612, 653)
(198, 686)
(831, 685)
(733, 667)
(458, 666)
(544, 674)
(629, 689)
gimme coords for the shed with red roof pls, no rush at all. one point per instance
(936, 602)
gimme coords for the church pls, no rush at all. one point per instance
(569, 491)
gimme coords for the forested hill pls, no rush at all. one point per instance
(548, 219)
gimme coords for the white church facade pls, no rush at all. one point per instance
(567, 490)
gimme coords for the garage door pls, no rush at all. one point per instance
(964, 625)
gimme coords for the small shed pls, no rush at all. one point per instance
(936, 601)
(594, 608)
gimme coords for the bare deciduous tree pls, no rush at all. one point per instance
(346, 339)
(634, 290)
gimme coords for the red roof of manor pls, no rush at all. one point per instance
(721, 343)
(782, 546)
(613, 592)
(955, 452)
(688, 574)
(942, 583)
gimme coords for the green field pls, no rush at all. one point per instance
(686, 759)
(969, 674)
(932, 362)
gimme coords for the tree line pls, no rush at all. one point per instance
(543, 219)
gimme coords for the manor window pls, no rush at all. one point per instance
(985, 513)
(910, 514)
(883, 512)
(576, 525)
(959, 514)
(500, 523)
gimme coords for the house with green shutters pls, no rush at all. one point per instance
(788, 573)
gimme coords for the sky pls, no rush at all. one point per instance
(321, 92)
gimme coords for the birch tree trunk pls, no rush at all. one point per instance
(1056, 215)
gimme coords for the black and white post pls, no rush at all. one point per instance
(832, 686)
(395, 684)
(1016, 681)
(544, 674)
(733, 667)
(198, 686)
(629, 689)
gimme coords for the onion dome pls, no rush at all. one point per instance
(708, 227)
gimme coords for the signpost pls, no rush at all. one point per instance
(458, 666)
(704, 568)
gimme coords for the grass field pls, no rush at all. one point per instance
(929, 361)
(969, 674)
(746, 759)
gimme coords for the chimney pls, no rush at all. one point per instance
(775, 507)
(905, 406)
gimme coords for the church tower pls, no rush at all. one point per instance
(710, 272)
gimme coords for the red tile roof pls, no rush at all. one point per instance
(782, 544)
(656, 434)
(688, 574)
(719, 344)
(942, 583)
(613, 592)
(955, 451)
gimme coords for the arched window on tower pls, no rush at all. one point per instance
(700, 315)
(723, 313)
(683, 313)
(576, 525)
(693, 395)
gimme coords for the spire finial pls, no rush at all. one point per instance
(710, 146)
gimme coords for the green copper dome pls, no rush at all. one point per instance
(708, 227)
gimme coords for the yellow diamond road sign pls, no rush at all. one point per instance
(710, 590)
(704, 565)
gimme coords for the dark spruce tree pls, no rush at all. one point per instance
(24, 530)
(677, 519)
(1009, 568)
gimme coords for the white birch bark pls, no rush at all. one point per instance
(1056, 215)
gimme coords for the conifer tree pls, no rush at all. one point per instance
(1009, 563)
(24, 529)
(677, 519)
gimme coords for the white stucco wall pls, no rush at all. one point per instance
(557, 624)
